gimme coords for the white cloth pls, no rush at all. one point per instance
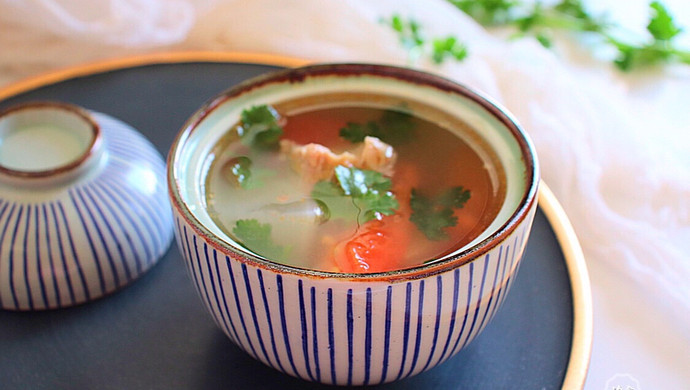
(614, 148)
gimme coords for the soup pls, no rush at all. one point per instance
(352, 186)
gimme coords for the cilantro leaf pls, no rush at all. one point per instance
(360, 182)
(394, 127)
(540, 19)
(432, 215)
(326, 189)
(356, 132)
(632, 56)
(413, 40)
(256, 237)
(455, 197)
(449, 46)
(660, 49)
(488, 12)
(368, 191)
(240, 172)
(339, 205)
(400, 120)
(408, 31)
(237, 170)
(582, 19)
(661, 24)
(260, 127)
(430, 219)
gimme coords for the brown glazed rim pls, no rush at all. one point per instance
(64, 168)
(296, 75)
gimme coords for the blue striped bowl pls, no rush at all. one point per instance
(82, 226)
(351, 329)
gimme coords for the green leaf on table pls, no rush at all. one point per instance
(540, 19)
(413, 40)
(448, 47)
(487, 12)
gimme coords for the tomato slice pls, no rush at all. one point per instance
(380, 245)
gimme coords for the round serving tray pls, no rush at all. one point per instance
(155, 334)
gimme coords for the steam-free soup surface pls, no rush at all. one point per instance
(349, 189)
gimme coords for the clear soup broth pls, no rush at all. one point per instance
(344, 184)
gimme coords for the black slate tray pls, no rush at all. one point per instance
(155, 334)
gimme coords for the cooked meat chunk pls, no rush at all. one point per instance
(376, 155)
(316, 162)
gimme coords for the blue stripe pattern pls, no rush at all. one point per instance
(94, 235)
(360, 332)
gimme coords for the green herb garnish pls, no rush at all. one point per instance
(411, 38)
(256, 237)
(448, 47)
(409, 32)
(260, 127)
(487, 12)
(540, 20)
(394, 127)
(339, 205)
(356, 132)
(659, 49)
(240, 172)
(432, 215)
(369, 191)
(237, 170)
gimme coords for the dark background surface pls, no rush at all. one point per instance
(155, 333)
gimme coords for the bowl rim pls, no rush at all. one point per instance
(401, 74)
(90, 149)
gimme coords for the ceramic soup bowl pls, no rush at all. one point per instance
(83, 206)
(352, 329)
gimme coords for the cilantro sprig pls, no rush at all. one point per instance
(432, 215)
(412, 38)
(369, 192)
(260, 127)
(394, 127)
(256, 237)
(658, 49)
(540, 20)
